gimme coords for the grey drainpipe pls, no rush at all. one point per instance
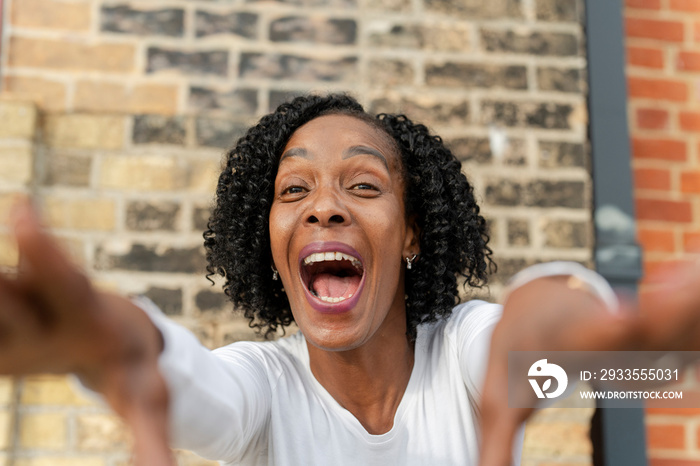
(618, 434)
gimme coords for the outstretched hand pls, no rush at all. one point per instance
(53, 320)
(546, 315)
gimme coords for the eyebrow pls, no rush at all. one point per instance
(347, 153)
(294, 152)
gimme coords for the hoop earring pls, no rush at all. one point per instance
(409, 261)
(275, 273)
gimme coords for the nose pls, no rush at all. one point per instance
(327, 209)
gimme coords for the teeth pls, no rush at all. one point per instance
(331, 256)
(328, 299)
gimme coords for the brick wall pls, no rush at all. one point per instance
(138, 99)
(663, 65)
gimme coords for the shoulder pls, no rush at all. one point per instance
(469, 320)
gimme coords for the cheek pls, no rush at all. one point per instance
(281, 224)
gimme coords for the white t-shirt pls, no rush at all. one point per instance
(258, 403)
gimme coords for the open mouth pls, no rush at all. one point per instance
(332, 276)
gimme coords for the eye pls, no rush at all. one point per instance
(294, 190)
(363, 186)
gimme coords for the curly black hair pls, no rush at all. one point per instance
(453, 240)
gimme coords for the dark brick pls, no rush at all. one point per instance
(169, 301)
(67, 170)
(443, 37)
(536, 43)
(504, 192)
(153, 258)
(560, 10)
(561, 79)
(151, 216)
(219, 133)
(237, 24)
(274, 66)
(387, 72)
(158, 129)
(200, 217)
(213, 62)
(314, 3)
(566, 234)
(526, 114)
(510, 266)
(561, 154)
(476, 8)
(471, 149)
(207, 300)
(124, 19)
(476, 75)
(277, 98)
(241, 102)
(425, 111)
(544, 193)
(313, 29)
(518, 232)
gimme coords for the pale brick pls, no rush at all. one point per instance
(80, 214)
(6, 390)
(116, 98)
(46, 431)
(203, 175)
(82, 131)
(51, 390)
(61, 461)
(66, 55)
(147, 173)
(51, 14)
(17, 120)
(5, 429)
(16, 164)
(101, 432)
(6, 203)
(185, 458)
(8, 251)
(48, 95)
(557, 439)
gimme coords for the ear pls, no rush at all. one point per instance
(411, 245)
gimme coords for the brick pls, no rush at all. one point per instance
(143, 173)
(47, 431)
(692, 6)
(218, 132)
(67, 170)
(46, 94)
(168, 300)
(467, 75)
(672, 462)
(313, 30)
(561, 79)
(84, 131)
(644, 4)
(539, 193)
(67, 55)
(18, 120)
(526, 114)
(7, 202)
(534, 43)
(518, 232)
(93, 96)
(294, 67)
(691, 241)
(152, 216)
(689, 121)
(51, 14)
(426, 109)
(50, 390)
(208, 301)
(200, 217)
(663, 210)
(668, 31)
(652, 118)
(690, 182)
(203, 175)
(16, 164)
(646, 57)
(236, 24)
(155, 129)
(6, 423)
(390, 5)
(80, 214)
(471, 149)
(561, 154)
(557, 439)
(566, 234)
(278, 97)
(100, 433)
(472, 9)
(653, 240)
(660, 149)
(652, 178)
(238, 102)
(8, 251)
(665, 436)
(349, 4)
(659, 89)
(688, 61)
(385, 72)
(127, 20)
(150, 258)
(7, 390)
(443, 37)
(558, 10)
(202, 63)
(60, 461)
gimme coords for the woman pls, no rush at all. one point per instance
(356, 228)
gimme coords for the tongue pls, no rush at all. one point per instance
(333, 286)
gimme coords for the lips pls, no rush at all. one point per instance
(332, 274)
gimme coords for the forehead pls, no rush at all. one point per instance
(338, 132)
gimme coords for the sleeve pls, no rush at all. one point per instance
(220, 400)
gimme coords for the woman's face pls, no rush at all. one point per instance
(339, 232)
